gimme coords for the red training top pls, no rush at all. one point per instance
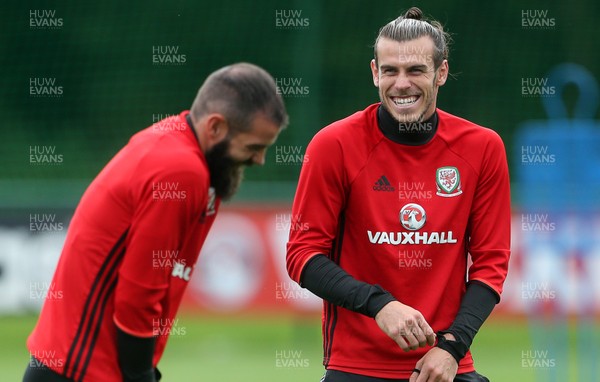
(406, 218)
(129, 253)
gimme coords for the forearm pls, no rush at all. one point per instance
(135, 357)
(476, 306)
(329, 281)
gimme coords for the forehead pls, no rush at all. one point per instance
(416, 51)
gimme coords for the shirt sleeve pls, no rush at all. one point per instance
(329, 281)
(476, 306)
(135, 357)
(319, 201)
(489, 221)
(165, 205)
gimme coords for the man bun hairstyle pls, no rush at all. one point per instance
(413, 25)
(414, 13)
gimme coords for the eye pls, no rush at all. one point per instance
(255, 148)
(388, 71)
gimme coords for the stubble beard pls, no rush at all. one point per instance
(415, 117)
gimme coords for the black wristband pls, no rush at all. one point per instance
(457, 348)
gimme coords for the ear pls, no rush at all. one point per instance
(442, 74)
(375, 72)
(216, 127)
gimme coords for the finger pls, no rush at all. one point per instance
(430, 339)
(410, 338)
(402, 343)
(405, 338)
(416, 371)
(428, 332)
(414, 376)
(423, 376)
(405, 342)
(420, 336)
(399, 338)
(419, 331)
(414, 327)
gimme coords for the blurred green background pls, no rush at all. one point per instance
(101, 55)
(287, 348)
(248, 348)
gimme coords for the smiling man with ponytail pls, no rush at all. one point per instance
(391, 263)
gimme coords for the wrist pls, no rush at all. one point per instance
(378, 301)
(452, 344)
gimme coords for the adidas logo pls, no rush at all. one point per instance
(383, 184)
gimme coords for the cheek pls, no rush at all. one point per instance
(234, 152)
(427, 86)
(236, 148)
(385, 84)
(238, 155)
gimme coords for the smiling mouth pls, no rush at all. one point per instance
(405, 100)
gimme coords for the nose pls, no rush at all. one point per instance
(402, 81)
(259, 157)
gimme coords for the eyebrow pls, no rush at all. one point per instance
(419, 66)
(384, 67)
(422, 67)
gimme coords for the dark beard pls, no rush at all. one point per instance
(225, 173)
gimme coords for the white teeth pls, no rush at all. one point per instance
(405, 101)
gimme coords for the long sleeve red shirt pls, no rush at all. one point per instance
(406, 218)
(129, 253)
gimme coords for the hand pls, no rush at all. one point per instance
(437, 365)
(405, 325)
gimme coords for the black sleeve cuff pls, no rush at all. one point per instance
(457, 348)
(135, 358)
(476, 306)
(329, 281)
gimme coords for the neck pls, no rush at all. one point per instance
(406, 133)
(192, 126)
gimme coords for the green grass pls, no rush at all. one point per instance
(246, 349)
